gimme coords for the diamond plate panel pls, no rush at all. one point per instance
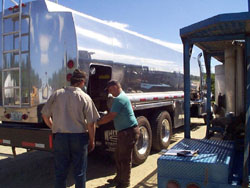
(213, 163)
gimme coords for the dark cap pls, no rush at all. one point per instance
(112, 83)
(78, 75)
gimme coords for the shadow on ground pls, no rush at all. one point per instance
(36, 169)
(32, 169)
(147, 181)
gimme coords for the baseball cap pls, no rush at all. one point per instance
(111, 83)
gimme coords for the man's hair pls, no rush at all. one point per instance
(77, 77)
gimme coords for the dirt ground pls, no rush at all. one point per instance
(35, 169)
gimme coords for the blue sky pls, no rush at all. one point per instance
(160, 19)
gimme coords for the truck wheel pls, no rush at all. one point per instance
(161, 130)
(142, 147)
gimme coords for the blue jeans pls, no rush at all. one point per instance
(70, 147)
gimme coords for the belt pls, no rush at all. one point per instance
(126, 129)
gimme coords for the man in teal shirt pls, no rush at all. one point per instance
(128, 132)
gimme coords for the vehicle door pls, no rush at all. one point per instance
(99, 75)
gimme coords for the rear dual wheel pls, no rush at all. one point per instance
(161, 130)
(142, 147)
(159, 137)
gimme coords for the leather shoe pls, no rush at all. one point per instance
(123, 185)
(113, 181)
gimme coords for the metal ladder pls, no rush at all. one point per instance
(14, 17)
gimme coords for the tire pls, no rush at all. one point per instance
(161, 131)
(142, 147)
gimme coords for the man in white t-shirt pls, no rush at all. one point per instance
(73, 126)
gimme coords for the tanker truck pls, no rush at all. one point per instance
(44, 42)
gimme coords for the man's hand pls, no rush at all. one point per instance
(48, 121)
(91, 130)
(107, 118)
(91, 146)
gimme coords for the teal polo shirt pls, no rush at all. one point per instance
(125, 117)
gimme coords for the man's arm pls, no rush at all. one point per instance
(107, 118)
(48, 121)
(91, 130)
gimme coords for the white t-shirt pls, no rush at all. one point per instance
(71, 110)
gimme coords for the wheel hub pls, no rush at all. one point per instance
(143, 141)
(165, 130)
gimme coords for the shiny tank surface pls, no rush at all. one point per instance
(53, 35)
(137, 62)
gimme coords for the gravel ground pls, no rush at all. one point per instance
(35, 169)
